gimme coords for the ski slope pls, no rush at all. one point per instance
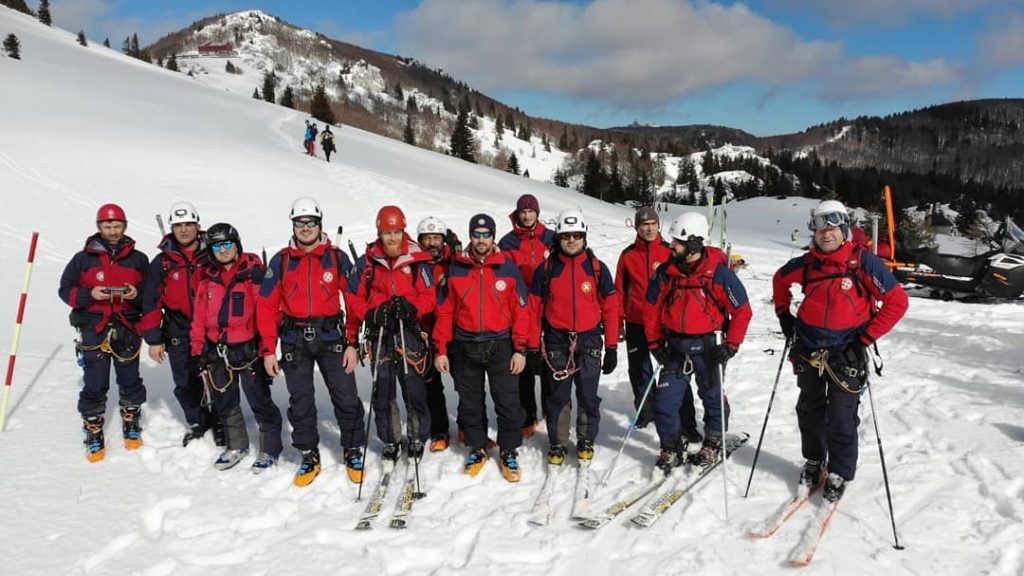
(83, 126)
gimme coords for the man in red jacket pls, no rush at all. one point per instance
(300, 302)
(529, 243)
(102, 284)
(693, 296)
(843, 283)
(167, 307)
(574, 313)
(637, 265)
(482, 323)
(391, 290)
(224, 339)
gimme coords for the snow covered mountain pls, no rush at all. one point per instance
(949, 404)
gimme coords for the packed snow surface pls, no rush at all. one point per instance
(83, 126)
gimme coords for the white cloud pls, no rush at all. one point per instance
(94, 17)
(1004, 46)
(622, 52)
(883, 76)
(850, 12)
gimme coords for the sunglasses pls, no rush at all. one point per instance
(305, 223)
(481, 233)
(834, 219)
(572, 236)
(222, 246)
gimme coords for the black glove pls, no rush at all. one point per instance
(534, 363)
(377, 318)
(452, 240)
(788, 325)
(402, 309)
(856, 354)
(661, 353)
(721, 353)
(611, 360)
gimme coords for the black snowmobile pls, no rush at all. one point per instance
(997, 273)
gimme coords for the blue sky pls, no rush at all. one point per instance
(764, 66)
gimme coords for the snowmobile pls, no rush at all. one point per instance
(997, 273)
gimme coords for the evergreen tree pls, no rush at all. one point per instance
(409, 136)
(287, 98)
(320, 107)
(560, 179)
(461, 140)
(593, 176)
(546, 142)
(229, 67)
(269, 86)
(399, 93)
(18, 5)
(513, 164)
(160, 62)
(126, 46)
(526, 173)
(256, 94)
(12, 46)
(499, 130)
(563, 140)
(708, 164)
(81, 38)
(106, 42)
(410, 104)
(133, 47)
(44, 12)
(172, 63)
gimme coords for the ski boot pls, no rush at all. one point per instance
(389, 455)
(94, 445)
(230, 458)
(438, 442)
(710, 452)
(510, 466)
(131, 427)
(585, 450)
(556, 454)
(309, 469)
(670, 458)
(812, 475)
(415, 451)
(354, 464)
(263, 462)
(835, 485)
(195, 432)
(475, 462)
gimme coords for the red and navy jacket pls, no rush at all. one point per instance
(301, 285)
(574, 294)
(225, 303)
(528, 246)
(841, 291)
(480, 301)
(439, 268)
(637, 265)
(171, 285)
(696, 299)
(100, 264)
(378, 279)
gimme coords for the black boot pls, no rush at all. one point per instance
(94, 444)
(131, 426)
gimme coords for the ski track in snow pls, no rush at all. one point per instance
(950, 400)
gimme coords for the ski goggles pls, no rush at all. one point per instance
(222, 246)
(314, 223)
(833, 219)
(481, 234)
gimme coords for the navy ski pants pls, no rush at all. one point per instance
(641, 369)
(92, 400)
(348, 409)
(392, 369)
(689, 356)
(827, 415)
(587, 358)
(471, 362)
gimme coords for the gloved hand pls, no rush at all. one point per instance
(611, 360)
(856, 354)
(377, 318)
(534, 363)
(721, 353)
(661, 353)
(788, 324)
(402, 309)
(452, 240)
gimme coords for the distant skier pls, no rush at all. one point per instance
(225, 339)
(311, 132)
(327, 142)
(693, 296)
(102, 284)
(836, 322)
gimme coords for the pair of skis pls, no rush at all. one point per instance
(813, 533)
(583, 493)
(403, 505)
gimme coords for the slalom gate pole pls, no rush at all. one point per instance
(17, 330)
(771, 400)
(720, 374)
(632, 425)
(885, 474)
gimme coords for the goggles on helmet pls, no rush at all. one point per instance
(833, 219)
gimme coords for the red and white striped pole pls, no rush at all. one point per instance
(17, 331)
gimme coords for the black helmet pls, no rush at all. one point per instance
(222, 232)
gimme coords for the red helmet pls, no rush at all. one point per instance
(110, 212)
(390, 218)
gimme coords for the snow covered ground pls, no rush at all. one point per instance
(83, 126)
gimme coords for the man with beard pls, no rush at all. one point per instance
(529, 243)
(167, 304)
(300, 302)
(102, 285)
(391, 290)
(482, 323)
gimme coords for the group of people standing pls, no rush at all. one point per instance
(494, 314)
(326, 140)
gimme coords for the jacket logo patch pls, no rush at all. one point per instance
(328, 277)
(654, 266)
(586, 287)
(846, 284)
(406, 270)
(500, 286)
(546, 254)
(100, 276)
(174, 275)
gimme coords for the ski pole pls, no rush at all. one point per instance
(720, 374)
(374, 369)
(401, 336)
(632, 425)
(17, 330)
(885, 474)
(771, 399)
(160, 224)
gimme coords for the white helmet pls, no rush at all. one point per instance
(829, 213)
(430, 225)
(182, 213)
(687, 225)
(306, 207)
(570, 221)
